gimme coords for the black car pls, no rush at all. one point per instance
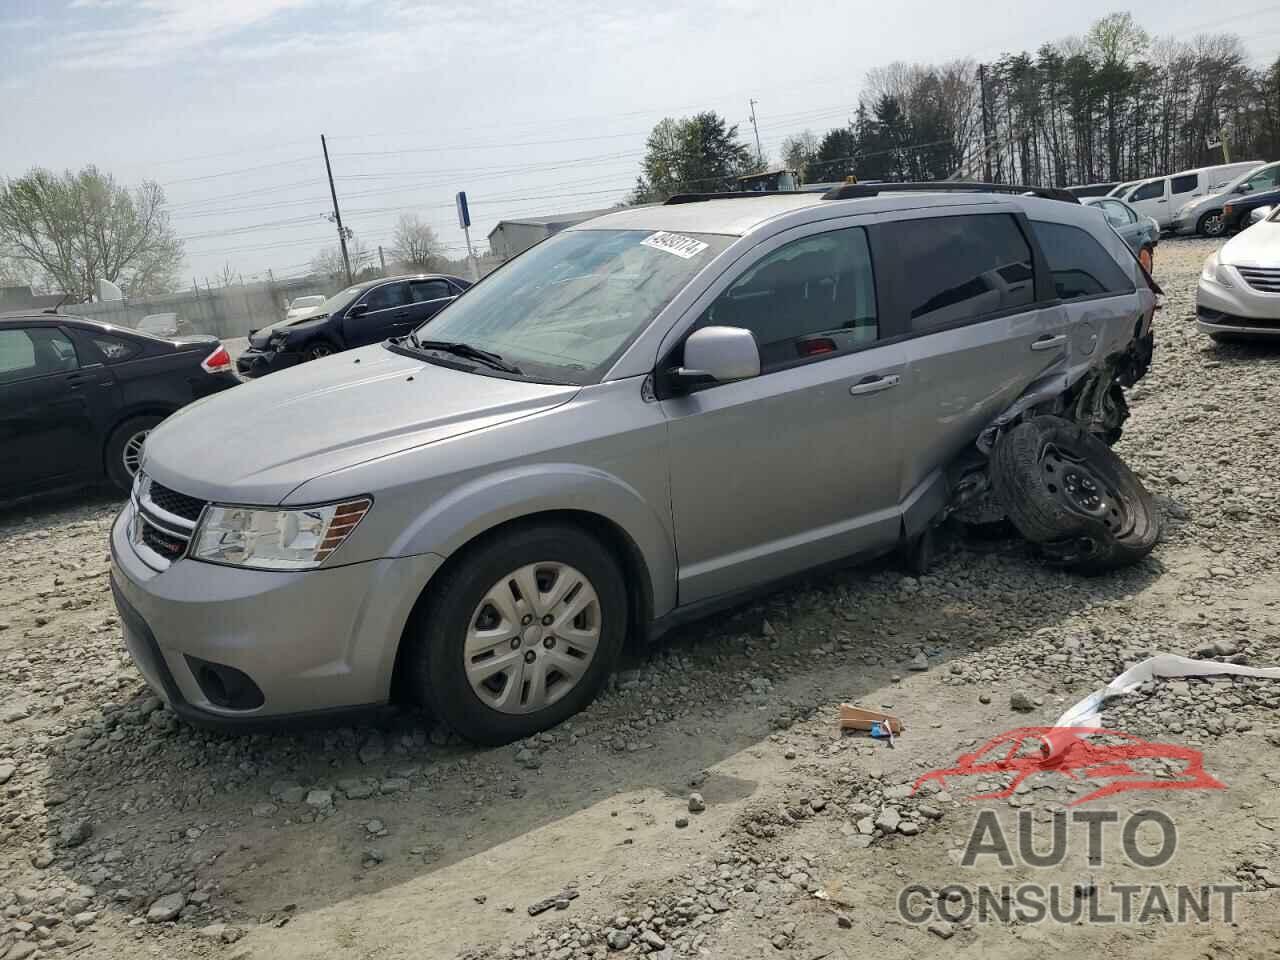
(78, 397)
(355, 317)
(1093, 189)
(1235, 212)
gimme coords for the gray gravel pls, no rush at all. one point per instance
(119, 824)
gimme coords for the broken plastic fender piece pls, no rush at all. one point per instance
(856, 718)
(1087, 712)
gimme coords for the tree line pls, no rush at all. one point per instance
(1114, 104)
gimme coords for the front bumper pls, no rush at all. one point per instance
(315, 642)
(1236, 309)
(1185, 223)
(255, 362)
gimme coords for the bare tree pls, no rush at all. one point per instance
(227, 276)
(415, 243)
(76, 228)
(15, 272)
(799, 149)
(328, 262)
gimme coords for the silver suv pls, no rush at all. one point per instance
(638, 420)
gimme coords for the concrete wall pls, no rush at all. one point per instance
(225, 312)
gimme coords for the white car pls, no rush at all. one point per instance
(300, 307)
(1239, 292)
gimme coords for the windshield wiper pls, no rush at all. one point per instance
(465, 350)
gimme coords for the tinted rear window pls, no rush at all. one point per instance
(959, 269)
(1184, 184)
(1078, 263)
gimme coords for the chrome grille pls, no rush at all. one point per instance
(163, 523)
(1262, 279)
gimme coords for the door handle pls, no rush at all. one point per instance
(874, 385)
(1162, 201)
(1050, 343)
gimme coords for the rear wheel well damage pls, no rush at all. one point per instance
(619, 543)
(1096, 401)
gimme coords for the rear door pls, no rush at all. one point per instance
(388, 314)
(969, 296)
(48, 427)
(1097, 296)
(429, 297)
(1151, 199)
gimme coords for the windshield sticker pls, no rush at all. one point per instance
(684, 247)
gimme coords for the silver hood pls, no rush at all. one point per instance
(259, 441)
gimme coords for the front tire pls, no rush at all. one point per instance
(319, 350)
(123, 453)
(520, 634)
(1212, 225)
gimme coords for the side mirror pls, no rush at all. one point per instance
(1243, 188)
(719, 355)
(1259, 214)
(359, 310)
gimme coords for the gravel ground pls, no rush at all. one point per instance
(704, 806)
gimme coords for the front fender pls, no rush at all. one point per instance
(470, 510)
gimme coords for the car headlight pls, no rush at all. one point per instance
(1215, 272)
(297, 539)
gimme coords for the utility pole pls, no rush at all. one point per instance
(337, 216)
(986, 148)
(382, 258)
(756, 127)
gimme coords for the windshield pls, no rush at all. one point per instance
(341, 298)
(1259, 178)
(568, 307)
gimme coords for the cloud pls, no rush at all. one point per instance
(146, 32)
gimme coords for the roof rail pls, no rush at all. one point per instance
(735, 195)
(853, 191)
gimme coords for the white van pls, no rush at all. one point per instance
(1163, 197)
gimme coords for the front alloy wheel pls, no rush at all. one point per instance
(532, 637)
(131, 456)
(1213, 225)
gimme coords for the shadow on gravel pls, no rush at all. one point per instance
(70, 504)
(264, 821)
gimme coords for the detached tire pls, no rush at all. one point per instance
(520, 634)
(1065, 490)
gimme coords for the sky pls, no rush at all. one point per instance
(531, 107)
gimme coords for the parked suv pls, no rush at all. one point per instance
(359, 315)
(78, 398)
(640, 419)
